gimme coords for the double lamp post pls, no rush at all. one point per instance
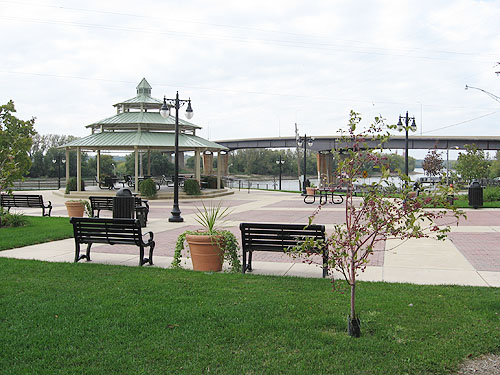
(165, 112)
(304, 141)
(58, 159)
(406, 126)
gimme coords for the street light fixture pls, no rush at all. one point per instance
(280, 163)
(304, 142)
(492, 96)
(406, 127)
(165, 112)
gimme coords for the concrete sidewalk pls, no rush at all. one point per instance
(470, 255)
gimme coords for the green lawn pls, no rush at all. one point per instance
(96, 319)
(463, 202)
(39, 229)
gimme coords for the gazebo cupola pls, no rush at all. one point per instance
(142, 113)
(144, 88)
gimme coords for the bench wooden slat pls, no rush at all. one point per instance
(25, 200)
(110, 231)
(278, 238)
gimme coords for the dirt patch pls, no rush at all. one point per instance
(488, 364)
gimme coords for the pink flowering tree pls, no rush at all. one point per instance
(384, 211)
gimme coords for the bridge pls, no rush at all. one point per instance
(328, 143)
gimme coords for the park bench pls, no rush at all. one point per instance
(278, 238)
(90, 230)
(20, 200)
(98, 203)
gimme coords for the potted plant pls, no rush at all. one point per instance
(311, 189)
(76, 207)
(210, 246)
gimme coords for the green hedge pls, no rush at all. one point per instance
(192, 187)
(72, 184)
(148, 188)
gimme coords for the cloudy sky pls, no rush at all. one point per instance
(254, 68)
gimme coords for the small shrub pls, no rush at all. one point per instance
(491, 194)
(148, 188)
(192, 187)
(12, 220)
(72, 183)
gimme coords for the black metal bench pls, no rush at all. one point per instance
(98, 203)
(278, 238)
(110, 231)
(19, 200)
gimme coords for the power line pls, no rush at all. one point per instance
(136, 15)
(283, 43)
(462, 122)
(217, 89)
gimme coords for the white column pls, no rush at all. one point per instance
(140, 165)
(136, 169)
(67, 165)
(197, 171)
(219, 169)
(78, 169)
(98, 164)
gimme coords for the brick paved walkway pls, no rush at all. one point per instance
(470, 256)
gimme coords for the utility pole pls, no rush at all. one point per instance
(298, 159)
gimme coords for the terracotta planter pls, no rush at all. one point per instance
(310, 190)
(75, 209)
(205, 253)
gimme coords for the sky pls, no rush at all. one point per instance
(255, 68)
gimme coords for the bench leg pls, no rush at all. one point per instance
(78, 257)
(244, 265)
(88, 252)
(149, 260)
(141, 255)
(151, 248)
(77, 252)
(249, 265)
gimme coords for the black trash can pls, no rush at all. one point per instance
(475, 194)
(123, 204)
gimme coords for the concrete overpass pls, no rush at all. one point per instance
(328, 143)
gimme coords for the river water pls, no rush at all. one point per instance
(293, 184)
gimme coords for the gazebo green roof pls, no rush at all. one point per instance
(142, 112)
(147, 120)
(142, 140)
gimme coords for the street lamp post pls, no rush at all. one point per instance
(448, 162)
(280, 163)
(304, 141)
(165, 112)
(58, 160)
(406, 127)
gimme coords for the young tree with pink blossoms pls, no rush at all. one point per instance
(384, 211)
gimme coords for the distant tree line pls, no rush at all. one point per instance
(471, 164)
(45, 154)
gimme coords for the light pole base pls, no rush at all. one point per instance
(176, 215)
(175, 219)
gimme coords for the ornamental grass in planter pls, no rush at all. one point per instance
(209, 246)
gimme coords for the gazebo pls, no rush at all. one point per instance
(138, 127)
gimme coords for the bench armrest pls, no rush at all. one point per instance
(150, 239)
